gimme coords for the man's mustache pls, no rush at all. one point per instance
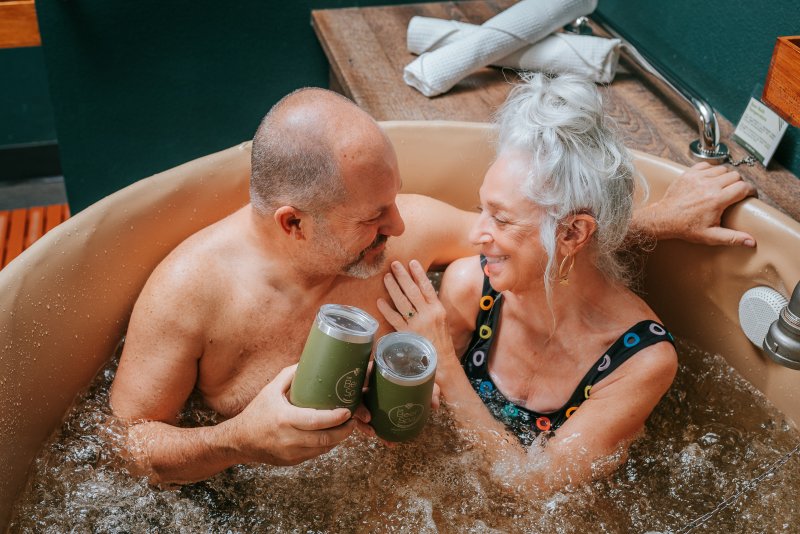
(380, 239)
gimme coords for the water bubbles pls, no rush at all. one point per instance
(709, 438)
(687, 464)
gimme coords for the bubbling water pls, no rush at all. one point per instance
(708, 437)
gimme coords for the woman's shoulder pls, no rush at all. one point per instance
(463, 279)
(460, 292)
(657, 361)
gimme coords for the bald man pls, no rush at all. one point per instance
(228, 311)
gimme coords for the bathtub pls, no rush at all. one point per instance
(65, 302)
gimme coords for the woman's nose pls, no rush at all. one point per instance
(478, 234)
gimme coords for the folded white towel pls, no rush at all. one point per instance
(434, 73)
(596, 58)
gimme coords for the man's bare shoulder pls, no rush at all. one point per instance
(436, 232)
(195, 269)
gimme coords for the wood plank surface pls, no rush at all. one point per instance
(35, 227)
(16, 235)
(5, 218)
(21, 228)
(366, 48)
(53, 217)
(18, 24)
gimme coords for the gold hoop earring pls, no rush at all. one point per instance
(563, 276)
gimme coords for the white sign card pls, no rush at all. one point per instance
(760, 130)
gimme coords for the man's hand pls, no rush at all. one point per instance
(693, 205)
(271, 430)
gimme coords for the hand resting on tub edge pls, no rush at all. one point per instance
(227, 312)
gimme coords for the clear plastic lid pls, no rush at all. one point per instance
(405, 358)
(346, 323)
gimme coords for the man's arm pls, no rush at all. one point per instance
(158, 371)
(269, 430)
(692, 208)
(436, 232)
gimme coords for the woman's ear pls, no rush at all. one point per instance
(290, 220)
(576, 232)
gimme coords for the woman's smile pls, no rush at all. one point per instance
(494, 264)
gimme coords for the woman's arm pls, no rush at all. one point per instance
(591, 444)
(594, 441)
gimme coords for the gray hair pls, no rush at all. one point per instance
(290, 166)
(577, 164)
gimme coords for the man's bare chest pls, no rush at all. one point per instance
(252, 339)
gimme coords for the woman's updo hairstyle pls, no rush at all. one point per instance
(577, 163)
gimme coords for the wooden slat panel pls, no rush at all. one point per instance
(4, 218)
(35, 228)
(21, 228)
(18, 24)
(16, 235)
(53, 216)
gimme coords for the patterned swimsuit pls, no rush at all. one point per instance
(527, 424)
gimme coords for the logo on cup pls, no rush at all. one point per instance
(406, 415)
(348, 385)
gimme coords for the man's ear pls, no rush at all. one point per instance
(291, 221)
(576, 232)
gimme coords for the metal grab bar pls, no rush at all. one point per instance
(707, 147)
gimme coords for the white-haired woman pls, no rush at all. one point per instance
(544, 336)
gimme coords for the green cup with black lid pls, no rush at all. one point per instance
(333, 366)
(401, 386)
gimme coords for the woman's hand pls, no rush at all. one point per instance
(417, 308)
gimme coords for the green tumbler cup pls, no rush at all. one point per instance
(333, 365)
(401, 385)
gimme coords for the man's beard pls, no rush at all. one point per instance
(357, 266)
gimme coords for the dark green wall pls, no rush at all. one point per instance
(722, 49)
(139, 87)
(27, 133)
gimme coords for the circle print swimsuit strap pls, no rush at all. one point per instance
(527, 424)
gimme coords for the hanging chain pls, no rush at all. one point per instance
(749, 161)
(747, 486)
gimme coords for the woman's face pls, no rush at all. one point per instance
(507, 229)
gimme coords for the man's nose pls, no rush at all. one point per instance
(394, 224)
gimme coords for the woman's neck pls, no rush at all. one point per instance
(581, 302)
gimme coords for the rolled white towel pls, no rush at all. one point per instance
(436, 72)
(596, 58)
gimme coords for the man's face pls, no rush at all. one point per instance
(364, 264)
(352, 237)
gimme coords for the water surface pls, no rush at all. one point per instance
(707, 439)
